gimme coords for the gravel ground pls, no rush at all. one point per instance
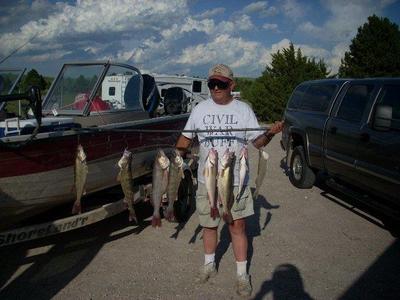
(303, 244)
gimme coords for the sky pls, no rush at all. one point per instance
(180, 36)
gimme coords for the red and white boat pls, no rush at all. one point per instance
(37, 162)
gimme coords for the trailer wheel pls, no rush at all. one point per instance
(185, 205)
(300, 174)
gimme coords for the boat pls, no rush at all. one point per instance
(37, 153)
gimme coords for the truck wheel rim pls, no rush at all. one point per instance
(297, 167)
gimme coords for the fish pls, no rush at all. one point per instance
(210, 173)
(263, 157)
(125, 178)
(243, 169)
(160, 183)
(175, 176)
(80, 176)
(225, 185)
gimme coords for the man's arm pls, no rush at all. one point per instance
(263, 139)
(183, 144)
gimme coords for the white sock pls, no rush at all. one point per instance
(241, 267)
(209, 258)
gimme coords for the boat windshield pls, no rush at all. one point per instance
(72, 85)
(9, 83)
(88, 89)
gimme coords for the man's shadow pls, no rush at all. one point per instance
(253, 229)
(286, 284)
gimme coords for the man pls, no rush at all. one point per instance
(224, 112)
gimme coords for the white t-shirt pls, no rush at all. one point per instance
(210, 115)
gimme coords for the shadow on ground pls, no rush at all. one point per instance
(286, 284)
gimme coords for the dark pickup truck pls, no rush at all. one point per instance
(350, 130)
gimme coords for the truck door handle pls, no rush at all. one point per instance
(364, 137)
(333, 130)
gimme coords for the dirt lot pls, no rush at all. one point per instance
(304, 244)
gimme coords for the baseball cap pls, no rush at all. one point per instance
(220, 72)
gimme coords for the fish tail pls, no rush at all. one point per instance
(156, 221)
(214, 213)
(227, 216)
(76, 208)
(169, 215)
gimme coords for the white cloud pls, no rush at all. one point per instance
(293, 9)
(49, 56)
(269, 26)
(261, 8)
(243, 56)
(243, 23)
(211, 13)
(92, 18)
(162, 35)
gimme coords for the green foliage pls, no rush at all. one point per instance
(269, 93)
(374, 52)
(6, 82)
(243, 85)
(32, 78)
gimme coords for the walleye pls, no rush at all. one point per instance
(125, 178)
(80, 175)
(243, 169)
(210, 178)
(261, 170)
(174, 179)
(160, 182)
(225, 185)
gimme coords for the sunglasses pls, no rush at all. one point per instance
(220, 84)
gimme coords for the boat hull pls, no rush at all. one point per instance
(40, 175)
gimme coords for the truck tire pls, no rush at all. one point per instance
(300, 174)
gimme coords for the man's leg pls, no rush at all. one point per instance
(210, 245)
(210, 239)
(239, 244)
(239, 239)
(210, 234)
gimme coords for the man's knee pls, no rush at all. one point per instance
(238, 227)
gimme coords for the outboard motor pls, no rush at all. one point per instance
(175, 101)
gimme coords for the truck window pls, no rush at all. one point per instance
(297, 96)
(354, 102)
(196, 87)
(317, 97)
(390, 95)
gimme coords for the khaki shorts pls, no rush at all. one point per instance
(241, 208)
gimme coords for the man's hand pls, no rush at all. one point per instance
(276, 127)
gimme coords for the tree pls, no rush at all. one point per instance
(30, 79)
(269, 93)
(374, 52)
(33, 78)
